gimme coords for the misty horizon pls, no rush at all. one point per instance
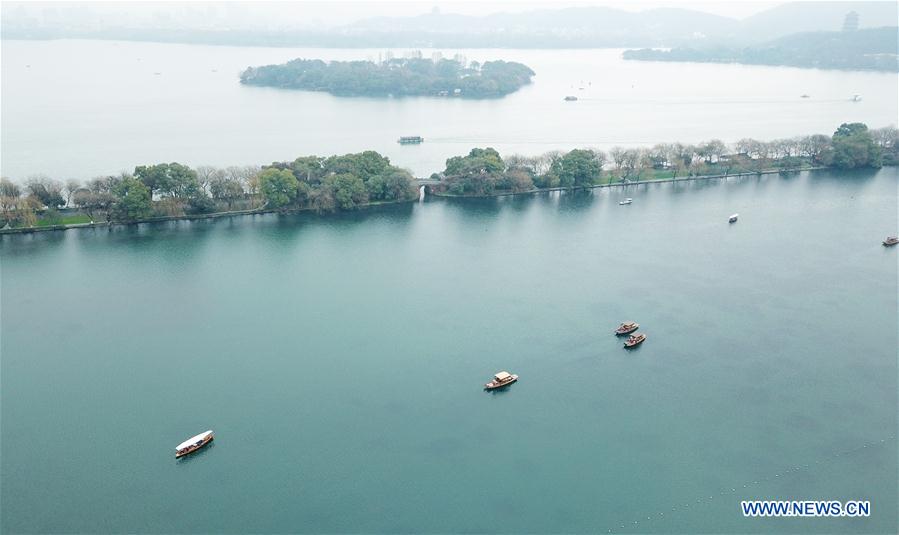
(315, 15)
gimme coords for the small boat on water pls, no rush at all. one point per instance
(890, 241)
(733, 218)
(856, 98)
(571, 98)
(626, 201)
(803, 96)
(627, 327)
(193, 444)
(634, 340)
(410, 140)
(500, 380)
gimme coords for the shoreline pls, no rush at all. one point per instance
(261, 211)
(634, 183)
(186, 217)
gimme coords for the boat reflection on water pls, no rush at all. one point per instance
(199, 454)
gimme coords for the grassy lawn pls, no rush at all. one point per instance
(65, 220)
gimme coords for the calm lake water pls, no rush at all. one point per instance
(85, 108)
(340, 361)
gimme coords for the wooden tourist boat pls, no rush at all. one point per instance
(890, 241)
(410, 140)
(627, 327)
(193, 444)
(500, 380)
(634, 340)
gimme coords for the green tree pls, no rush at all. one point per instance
(279, 187)
(308, 168)
(474, 174)
(579, 168)
(171, 179)
(478, 161)
(201, 203)
(304, 193)
(131, 200)
(349, 191)
(322, 199)
(393, 186)
(853, 147)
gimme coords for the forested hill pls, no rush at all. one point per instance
(396, 77)
(871, 49)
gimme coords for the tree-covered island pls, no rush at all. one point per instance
(394, 77)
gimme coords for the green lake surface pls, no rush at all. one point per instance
(341, 359)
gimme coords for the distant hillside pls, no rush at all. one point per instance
(576, 27)
(579, 26)
(872, 49)
(801, 17)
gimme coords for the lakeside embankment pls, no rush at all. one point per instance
(173, 191)
(637, 182)
(186, 217)
(260, 211)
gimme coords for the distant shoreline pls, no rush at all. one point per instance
(871, 49)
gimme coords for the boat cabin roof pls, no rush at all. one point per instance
(193, 440)
(502, 376)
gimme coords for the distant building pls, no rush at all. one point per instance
(436, 57)
(850, 22)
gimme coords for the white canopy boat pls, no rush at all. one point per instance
(733, 218)
(500, 380)
(626, 201)
(193, 444)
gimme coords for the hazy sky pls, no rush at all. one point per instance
(298, 13)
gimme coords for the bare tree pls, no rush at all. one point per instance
(601, 159)
(744, 147)
(545, 161)
(715, 149)
(10, 195)
(632, 163)
(46, 190)
(519, 162)
(206, 174)
(72, 185)
(886, 137)
(618, 157)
